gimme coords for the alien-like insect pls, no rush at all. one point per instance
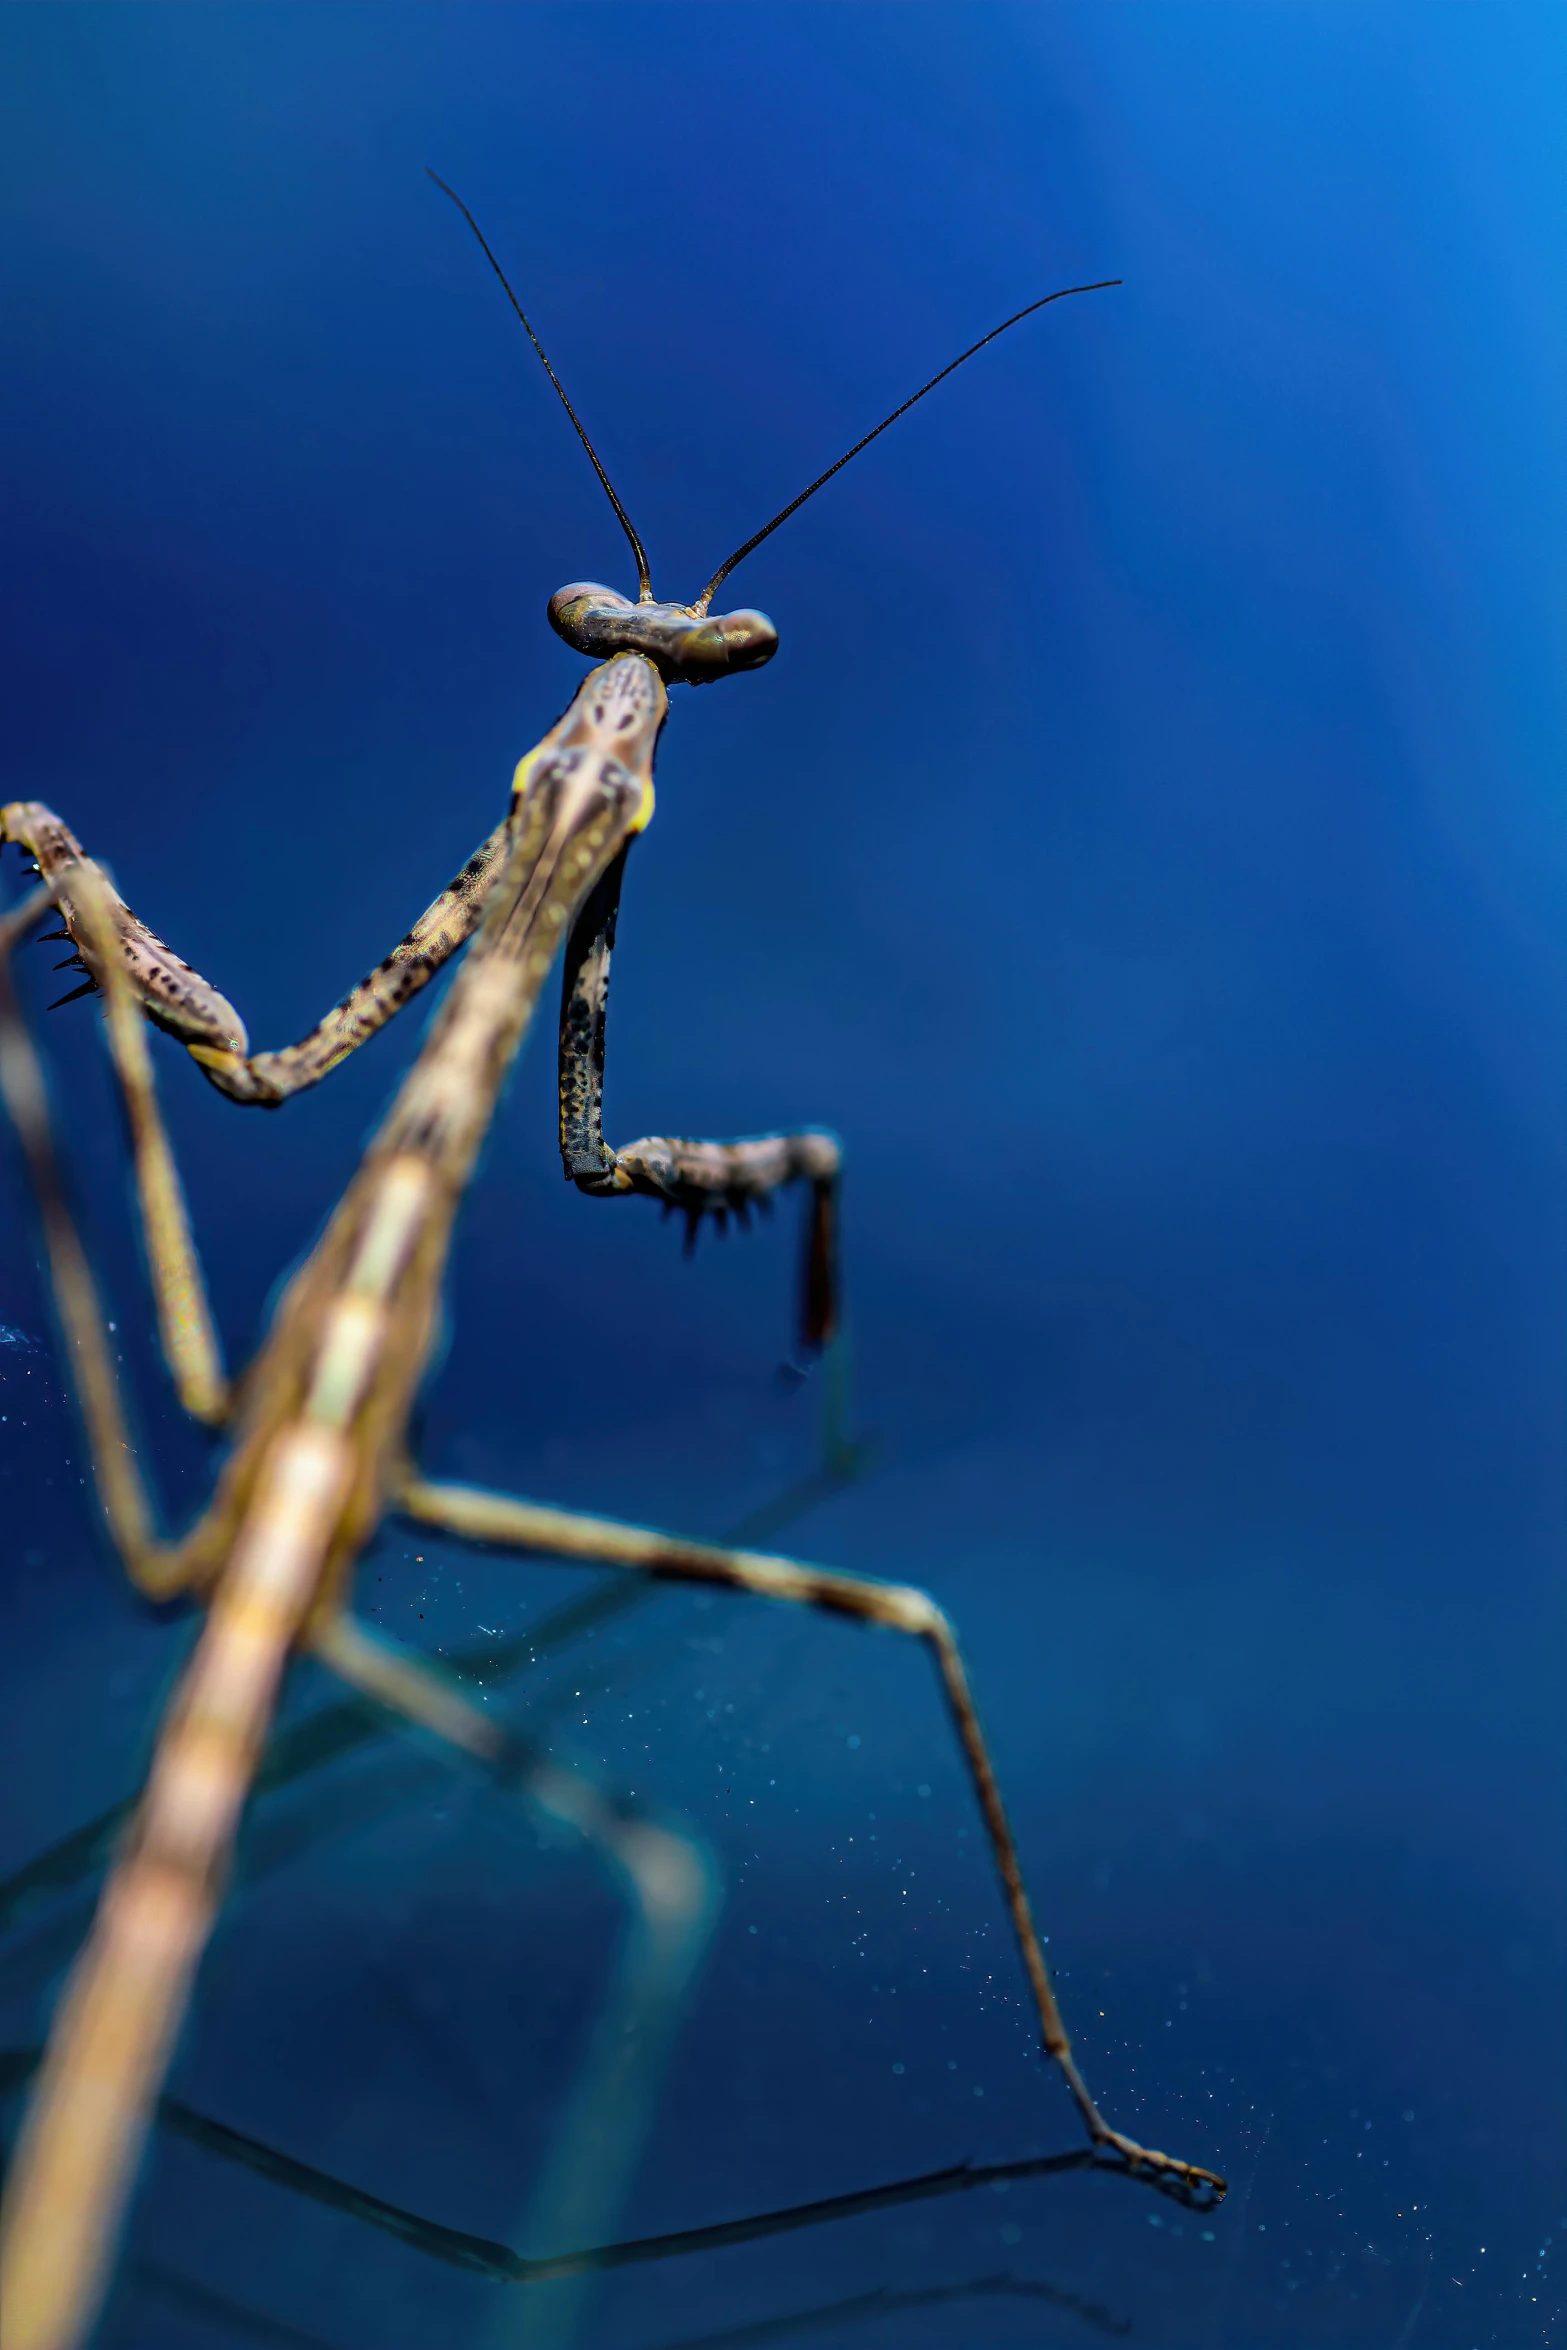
(319, 1431)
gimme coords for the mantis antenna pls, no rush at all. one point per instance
(644, 578)
(794, 505)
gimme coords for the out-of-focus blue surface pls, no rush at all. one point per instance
(1147, 850)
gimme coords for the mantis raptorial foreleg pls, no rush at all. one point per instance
(178, 999)
(699, 1178)
(478, 1516)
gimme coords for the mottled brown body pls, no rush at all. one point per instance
(575, 808)
(317, 1448)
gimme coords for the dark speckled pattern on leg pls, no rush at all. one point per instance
(716, 1179)
(190, 1008)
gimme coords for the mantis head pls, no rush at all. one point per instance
(684, 645)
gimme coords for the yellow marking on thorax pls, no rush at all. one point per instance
(522, 773)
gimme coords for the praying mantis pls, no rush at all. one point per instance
(319, 1447)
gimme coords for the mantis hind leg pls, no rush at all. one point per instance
(522, 1525)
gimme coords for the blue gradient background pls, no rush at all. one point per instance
(1147, 850)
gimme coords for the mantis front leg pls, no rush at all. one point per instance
(177, 998)
(699, 1178)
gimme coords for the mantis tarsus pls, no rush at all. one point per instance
(319, 1430)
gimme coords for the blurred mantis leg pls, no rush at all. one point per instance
(496, 1518)
(406, 1684)
(675, 1893)
(157, 1569)
(185, 1325)
(670, 1884)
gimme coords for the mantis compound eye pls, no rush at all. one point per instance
(732, 640)
(686, 647)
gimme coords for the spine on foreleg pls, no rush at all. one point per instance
(166, 987)
(113, 2035)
